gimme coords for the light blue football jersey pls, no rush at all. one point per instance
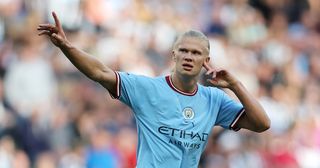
(174, 126)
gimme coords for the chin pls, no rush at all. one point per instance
(188, 73)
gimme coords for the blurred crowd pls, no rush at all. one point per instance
(52, 116)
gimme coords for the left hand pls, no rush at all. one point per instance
(220, 77)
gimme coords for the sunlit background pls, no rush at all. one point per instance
(52, 116)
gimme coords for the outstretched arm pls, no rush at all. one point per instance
(88, 65)
(254, 118)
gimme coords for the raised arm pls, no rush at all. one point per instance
(254, 118)
(88, 65)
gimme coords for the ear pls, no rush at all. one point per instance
(206, 63)
(174, 56)
(207, 60)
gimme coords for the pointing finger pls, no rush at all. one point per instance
(209, 69)
(56, 20)
(206, 66)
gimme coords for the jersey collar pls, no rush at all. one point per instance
(169, 82)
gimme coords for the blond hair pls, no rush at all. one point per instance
(194, 34)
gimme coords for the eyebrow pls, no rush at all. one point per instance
(192, 50)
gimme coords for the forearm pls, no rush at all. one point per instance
(87, 64)
(256, 118)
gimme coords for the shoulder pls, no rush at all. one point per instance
(133, 76)
(139, 79)
(211, 93)
(210, 90)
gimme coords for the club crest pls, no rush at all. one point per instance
(188, 113)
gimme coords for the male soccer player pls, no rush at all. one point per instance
(174, 114)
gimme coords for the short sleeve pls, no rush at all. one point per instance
(126, 87)
(229, 113)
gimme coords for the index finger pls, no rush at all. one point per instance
(206, 66)
(56, 20)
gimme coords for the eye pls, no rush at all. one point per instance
(183, 50)
(196, 52)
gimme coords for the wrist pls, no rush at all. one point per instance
(236, 85)
(66, 46)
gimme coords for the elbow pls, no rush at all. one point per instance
(264, 126)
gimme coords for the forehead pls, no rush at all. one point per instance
(192, 43)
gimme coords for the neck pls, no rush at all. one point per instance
(183, 83)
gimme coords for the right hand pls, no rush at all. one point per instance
(54, 32)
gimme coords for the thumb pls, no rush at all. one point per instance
(57, 40)
(57, 37)
(213, 82)
(54, 35)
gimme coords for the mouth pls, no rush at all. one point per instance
(187, 67)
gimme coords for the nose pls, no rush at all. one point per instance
(188, 57)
